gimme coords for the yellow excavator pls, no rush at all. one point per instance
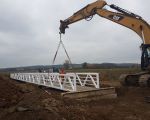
(127, 19)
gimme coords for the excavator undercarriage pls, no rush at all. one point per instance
(138, 79)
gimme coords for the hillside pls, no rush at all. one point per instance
(75, 66)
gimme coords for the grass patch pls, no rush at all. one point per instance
(109, 74)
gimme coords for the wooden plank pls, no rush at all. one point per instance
(85, 88)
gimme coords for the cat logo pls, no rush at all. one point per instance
(116, 17)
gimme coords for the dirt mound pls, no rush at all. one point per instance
(9, 93)
(29, 102)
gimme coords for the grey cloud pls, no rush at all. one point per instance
(29, 33)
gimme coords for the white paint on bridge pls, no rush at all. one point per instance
(67, 82)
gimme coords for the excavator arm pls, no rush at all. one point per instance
(122, 17)
(85, 13)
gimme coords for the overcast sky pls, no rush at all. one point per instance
(29, 33)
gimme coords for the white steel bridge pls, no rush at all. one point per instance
(73, 82)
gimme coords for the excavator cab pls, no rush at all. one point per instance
(145, 58)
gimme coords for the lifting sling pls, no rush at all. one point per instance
(61, 43)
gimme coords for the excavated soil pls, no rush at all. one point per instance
(22, 101)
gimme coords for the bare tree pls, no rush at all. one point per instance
(66, 64)
(84, 65)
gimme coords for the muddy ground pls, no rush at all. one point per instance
(21, 101)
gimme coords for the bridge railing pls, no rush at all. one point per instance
(87, 79)
(65, 82)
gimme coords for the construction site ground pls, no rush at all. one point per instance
(22, 101)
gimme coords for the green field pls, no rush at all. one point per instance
(108, 74)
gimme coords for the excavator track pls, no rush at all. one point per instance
(137, 79)
(144, 80)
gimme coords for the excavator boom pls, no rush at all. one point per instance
(122, 17)
(84, 13)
